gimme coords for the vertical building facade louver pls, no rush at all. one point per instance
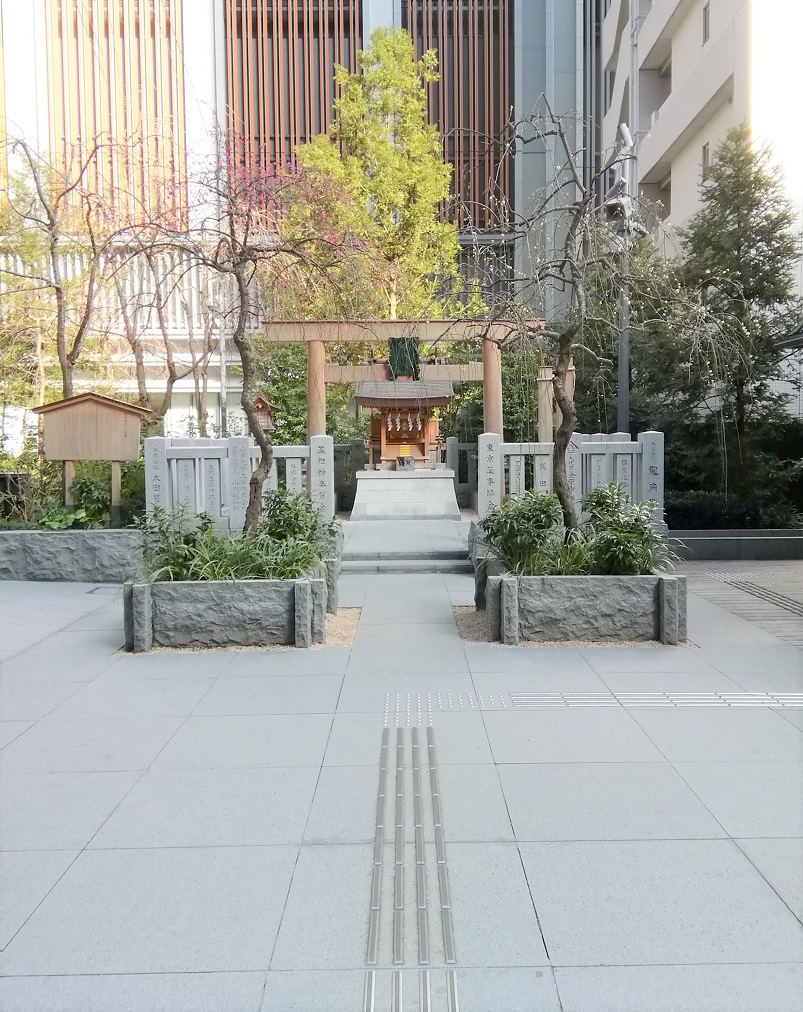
(280, 60)
(471, 102)
(115, 77)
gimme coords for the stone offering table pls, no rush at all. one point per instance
(421, 494)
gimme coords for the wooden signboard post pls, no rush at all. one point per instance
(92, 427)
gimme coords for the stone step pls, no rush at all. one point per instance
(395, 554)
(407, 565)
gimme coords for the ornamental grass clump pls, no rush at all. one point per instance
(291, 540)
(617, 539)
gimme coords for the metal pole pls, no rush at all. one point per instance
(629, 173)
(224, 382)
(623, 388)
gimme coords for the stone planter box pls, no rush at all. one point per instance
(95, 556)
(586, 608)
(224, 613)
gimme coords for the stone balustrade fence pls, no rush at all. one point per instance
(212, 475)
(506, 469)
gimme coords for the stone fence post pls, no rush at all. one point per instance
(452, 450)
(322, 474)
(489, 473)
(652, 471)
(157, 477)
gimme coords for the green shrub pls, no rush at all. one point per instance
(624, 541)
(521, 531)
(618, 539)
(700, 510)
(93, 495)
(56, 517)
(290, 541)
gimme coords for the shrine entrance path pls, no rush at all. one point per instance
(601, 829)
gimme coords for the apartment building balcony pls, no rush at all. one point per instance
(617, 110)
(613, 28)
(657, 29)
(688, 109)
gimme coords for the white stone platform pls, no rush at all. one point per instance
(425, 494)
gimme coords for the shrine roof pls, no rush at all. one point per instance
(414, 393)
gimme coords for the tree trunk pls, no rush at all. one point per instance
(243, 344)
(61, 320)
(565, 429)
(136, 347)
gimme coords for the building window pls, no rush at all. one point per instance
(706, 160)
(706, 23)
(610, 78)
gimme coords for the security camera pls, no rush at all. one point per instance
(617, 189)
(618, 209)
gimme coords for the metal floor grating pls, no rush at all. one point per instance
(415, 709)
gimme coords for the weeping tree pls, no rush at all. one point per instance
(243, 241)
(580, 256)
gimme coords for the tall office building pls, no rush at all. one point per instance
(164, 77)
(682, 73)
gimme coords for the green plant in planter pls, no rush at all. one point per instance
(623, 539)
(290, 541)
(618, 539)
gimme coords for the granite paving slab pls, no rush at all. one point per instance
(595, 801)
(774, 790)
(212, 808)
(657, 901)
(84, 745)
(57, 811)
(781, 864)
(156, 992)
(758, 987)
(158, 911)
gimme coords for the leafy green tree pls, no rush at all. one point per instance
(282, 370)
(389, 160)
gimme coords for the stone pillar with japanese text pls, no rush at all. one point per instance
(322, 474)
(238, 479)
(574, 469)
(652, 471)
(157, 478)
(489, 473)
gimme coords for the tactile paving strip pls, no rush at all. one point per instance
(416, 709)
(742, 581)
(420, 746)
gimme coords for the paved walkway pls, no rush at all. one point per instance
(198, 832)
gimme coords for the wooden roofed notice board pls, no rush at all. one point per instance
(91, 427)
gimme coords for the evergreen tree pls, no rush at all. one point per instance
(739, 251)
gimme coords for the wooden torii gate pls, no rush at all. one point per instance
(316, 333)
